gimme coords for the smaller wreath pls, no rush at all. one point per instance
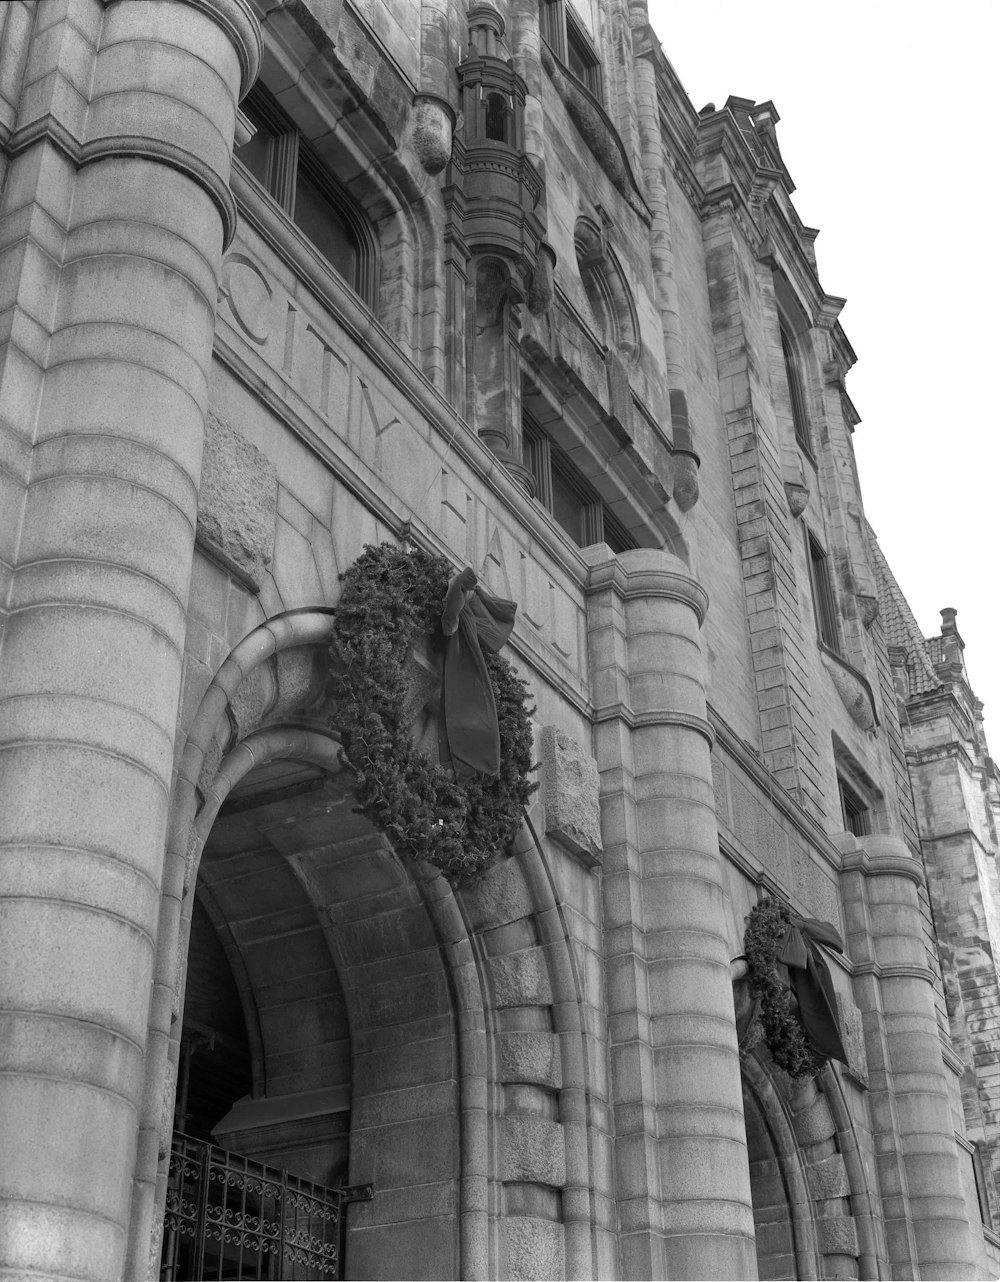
(767, 929)
(390, 598)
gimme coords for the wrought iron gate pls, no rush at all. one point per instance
(228, 1217)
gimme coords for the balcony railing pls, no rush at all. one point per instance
(228, 1217)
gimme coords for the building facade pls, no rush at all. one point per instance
(283, 280)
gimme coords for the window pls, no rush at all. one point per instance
(796, 387)
(581, 59)
(574, 504)
(567, 39)
(857, 815)
(979, 1176)
(606, 288)
(823, 598)
(497, 113)
(280, 159)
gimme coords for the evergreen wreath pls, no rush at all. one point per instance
(767, 926)
(390, 597)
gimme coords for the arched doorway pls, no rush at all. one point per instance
(812, 1203)
(457, 1011)
(319, 1049)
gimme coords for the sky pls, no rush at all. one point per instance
(887, 130)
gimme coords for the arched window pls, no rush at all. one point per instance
(824, 601)
(281, 161)
(793, 332)
(497, 113)
(796, 387)
(607, 292)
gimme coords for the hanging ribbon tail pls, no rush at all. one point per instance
(469, 712)
(813, 985)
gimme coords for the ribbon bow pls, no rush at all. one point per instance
(472, 621)
(812, 984)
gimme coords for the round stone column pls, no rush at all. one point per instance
(681, 1156)
(91, 661)
(926, 1223)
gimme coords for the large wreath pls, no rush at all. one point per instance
(767, 929)
(390, 599)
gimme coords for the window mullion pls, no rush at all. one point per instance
(283, 169)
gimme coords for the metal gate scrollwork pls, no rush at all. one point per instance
(229, 1217)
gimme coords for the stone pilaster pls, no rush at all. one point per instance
(683, 1186)
(125, 137)
(923, 1200)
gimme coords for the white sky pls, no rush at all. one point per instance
(887, 128)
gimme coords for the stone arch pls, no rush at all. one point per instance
(488, 951)
(607, 291)
(812, 1202)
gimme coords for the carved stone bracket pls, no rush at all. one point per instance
(797, 495)
(432, 123)
(854, 690)
(598, 132)
(868, 608)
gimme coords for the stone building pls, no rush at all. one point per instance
(285, 279)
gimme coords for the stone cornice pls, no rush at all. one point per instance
(720, 134)
(883, 865)
(895, 971)
(942, 752)
(965, 834)
(620, 711)
(642, 572)
(727, 198)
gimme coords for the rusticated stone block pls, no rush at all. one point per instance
(237, 503)
(571, 792)
(534, 1151)
(497, 896)
(534, 1249)
(814, 1123)
(838, 1235)
(520, 979)
(853, 1036)
(529, 1057)
(828, 1178)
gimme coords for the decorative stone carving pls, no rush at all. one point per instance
(854, 690)
(797, 495)
(541, 291)
(853, 1033)
(685, 481)
(237, 504)
(431, 126)
(570, 791)
(598, 133)
(868, 608)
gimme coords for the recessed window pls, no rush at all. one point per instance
(497, 113)
(796, 386)
(570, 43)
(581, 58)
(857, 814)
(573, 502)
(822, 593)
(607, 292)
(281, 161)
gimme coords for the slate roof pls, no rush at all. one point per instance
(901, 628)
